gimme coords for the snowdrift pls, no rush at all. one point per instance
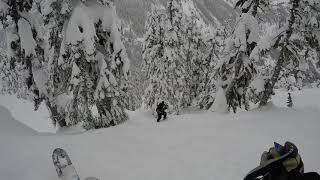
(8, 125)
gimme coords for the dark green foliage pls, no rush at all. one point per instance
(290, 46)
(252, 6)
(289, 101)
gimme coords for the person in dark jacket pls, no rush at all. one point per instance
(273, 165)
(161, 111)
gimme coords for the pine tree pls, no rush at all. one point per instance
(208, 80)
(289, 101)
(56, 14)
(154, 66)
(173, 53)
(291, 44)
(312, 23)
(311, 19)
(193, 56)
(76, 62)
(24, 67)
(237, 69)
(252, 6)
(188, 58)
(163, 57)
(100, 67)
(135, 89)
(200, 52)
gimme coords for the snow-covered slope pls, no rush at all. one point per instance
(135, 11)
(195, 145)
(133, 15)
(23, 111)
(10, 126)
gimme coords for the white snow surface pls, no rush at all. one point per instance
(81, 28)
(195, 145)
(41, 77)
(246, 23)
(258, 84)
(26, 37)
(3, 7)
(23, 111)
(220, 103)
(11, 126)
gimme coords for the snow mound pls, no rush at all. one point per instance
(8, 125)
(26, 37)
(77, 129)
(23, 111)
(220, 103)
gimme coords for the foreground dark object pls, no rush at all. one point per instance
(283, 163)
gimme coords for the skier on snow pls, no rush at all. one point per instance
(273, 165)
(161, 111)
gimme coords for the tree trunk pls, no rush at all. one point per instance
(55, 116)
(318, 56)
(271, 83)
(283, 55)
(314, 70)
(55, 79)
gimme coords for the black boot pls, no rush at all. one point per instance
(164, 115)
(159, 117)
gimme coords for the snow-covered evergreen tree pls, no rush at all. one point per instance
(289, 101)
(156, 66)
(25, 62)
(174, 55)
(71, 55)
(135, 90)
(310, 31)
(293, 42)
(153, 52)
(189, 56)
(252, 6)
(237, 68)
(99, 64)
(200, 53)
(56, 15)
(193, 56)
(163, 57)
(214, 42)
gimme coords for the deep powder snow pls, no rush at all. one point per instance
(195, 145)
